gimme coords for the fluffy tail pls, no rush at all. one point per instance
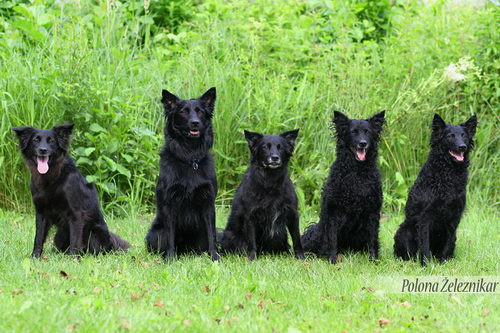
(118, 243)
(312, 239)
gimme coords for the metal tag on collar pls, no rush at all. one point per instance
(195, 164)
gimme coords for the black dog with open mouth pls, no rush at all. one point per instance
(352, 194)
(187, 186)
(265, 203)
(437, 198)
(62, 196)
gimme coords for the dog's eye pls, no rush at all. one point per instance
(451, 135)
(183, 112)
(278, 146)
(49, 140)
(36, 139)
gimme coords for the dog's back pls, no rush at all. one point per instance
(437, 198)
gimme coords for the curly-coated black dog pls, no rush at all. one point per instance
(265, 203)
(352, 194)
(186, 188)
(62, 196)
(437, 198)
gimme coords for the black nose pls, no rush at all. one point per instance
(195, 123)
(462, 147)
(42, 151)
(275, 158)
(362, 144)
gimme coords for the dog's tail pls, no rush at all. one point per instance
(118, 243)
(312, 238)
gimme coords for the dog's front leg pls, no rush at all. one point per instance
(332, 240)
(168, 233)
(40, 235)
(75, 236)
(423, 241)
(211, 233)
(250, 238)
(293, 229)
(373, 242)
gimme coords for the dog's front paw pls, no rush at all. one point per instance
(333, 259)
(300, 255)
(252, 255)
(215, 256)
(168, 256)
(36, 254)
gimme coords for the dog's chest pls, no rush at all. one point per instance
(269, 217)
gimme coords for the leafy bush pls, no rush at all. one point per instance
(277, 65)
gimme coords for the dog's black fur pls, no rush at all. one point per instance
(62, 196)
(265, 203)
(187, 186)
(437, 198)
(352, 195)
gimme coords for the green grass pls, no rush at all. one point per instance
(280, 294)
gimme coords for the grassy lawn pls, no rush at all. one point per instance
(137, 291)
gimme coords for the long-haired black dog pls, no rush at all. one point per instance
(265, 203)
(62, 196)
(352, 194)
(437, 198)
(187, 186)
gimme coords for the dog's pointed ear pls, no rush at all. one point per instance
(470, 125)
(340, 120)
(252, 138)
(24, 134)
(377, 120)
(438, 123)
(209, 98)
(290, 136)
(63, 134)
(169, 101)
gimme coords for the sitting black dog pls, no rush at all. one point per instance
(186, 189)
(265, 203)
(437, 198)
(352, 195)
(62, 196)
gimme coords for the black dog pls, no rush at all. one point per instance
(186, 189)
(62, 196)
(265, 203)
(437, 199)
(352, 195)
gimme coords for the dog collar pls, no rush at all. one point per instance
(195, 164)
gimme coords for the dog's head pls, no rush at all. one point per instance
(189, 119)
(453, 140)
(271, 151)
(42, 148)
(359, 136)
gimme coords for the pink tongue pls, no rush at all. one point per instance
(194, 132)
(458, 157)
(361, 154)
(42, 165)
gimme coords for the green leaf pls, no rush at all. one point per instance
(97, 128)
(121, 169)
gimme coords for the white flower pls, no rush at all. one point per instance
(452, 74)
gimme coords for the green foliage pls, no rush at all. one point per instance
(277, 65)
